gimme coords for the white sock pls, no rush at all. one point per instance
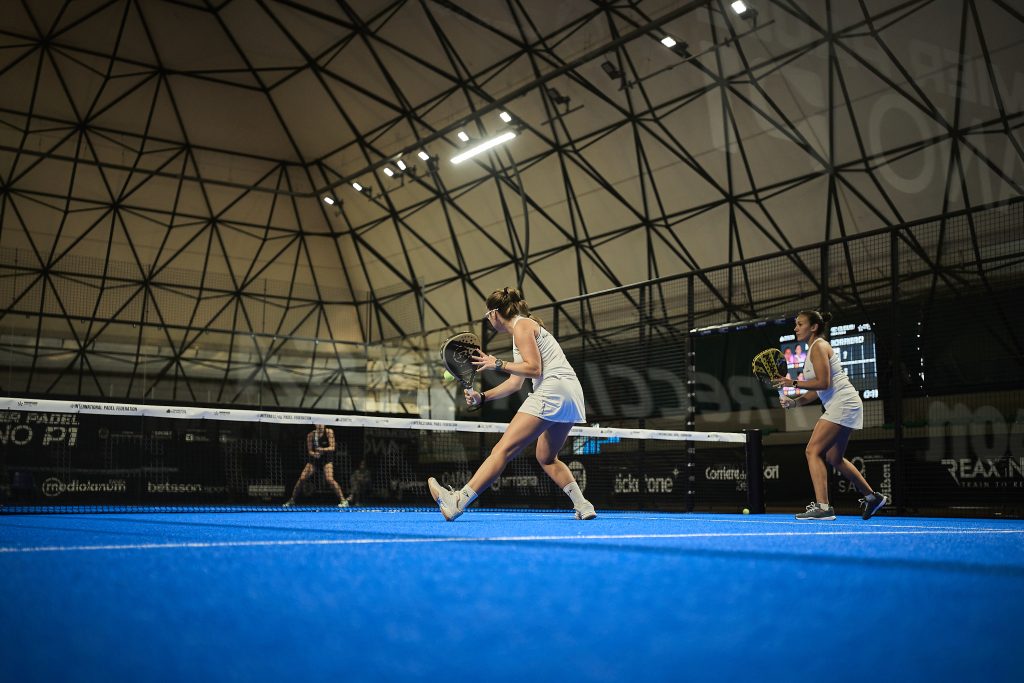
(466, 496)
(823, 506)
(573, 491)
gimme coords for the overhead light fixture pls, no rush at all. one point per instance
(483, 147)
(506, 117)
(745, 12)
(388, 172)
(463, 136)
(669, 41)
(423, 155)
(682, 48)
(613, 73)
(401, 165)
(357, 187)
(329, 201)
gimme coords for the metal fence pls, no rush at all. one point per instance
(944, 427)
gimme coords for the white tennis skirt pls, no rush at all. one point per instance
(557, 400)
(845, 409)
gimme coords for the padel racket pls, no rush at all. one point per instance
(770, 366)
(457, 358)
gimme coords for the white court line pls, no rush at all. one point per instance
(738, 519)
(690, 518)
(486, 539)
(803, 523)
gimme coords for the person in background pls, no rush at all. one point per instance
(799, 355)
(320, 450)
(359, 483)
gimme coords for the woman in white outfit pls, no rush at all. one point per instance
(546, 416)
(825, 379)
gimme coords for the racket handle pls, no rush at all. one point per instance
(475, 407)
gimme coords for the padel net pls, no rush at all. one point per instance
(60, 456)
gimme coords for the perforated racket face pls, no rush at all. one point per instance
(457, 355)
(769, 366)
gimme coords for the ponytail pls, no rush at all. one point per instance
(509, 302)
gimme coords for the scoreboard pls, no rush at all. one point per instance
(855, 344)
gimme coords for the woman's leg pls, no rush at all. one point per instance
(306, 472)
(823, 438)
(329, 476)
(521, 432)
(836, 457)
(548, 446)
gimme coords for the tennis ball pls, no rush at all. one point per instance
(448, 377)
(746, 511)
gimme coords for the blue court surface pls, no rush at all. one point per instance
(508, 596)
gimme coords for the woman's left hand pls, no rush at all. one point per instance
(482, 361)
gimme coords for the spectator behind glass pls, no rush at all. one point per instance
(359, 483)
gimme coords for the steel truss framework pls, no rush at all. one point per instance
(163, 165)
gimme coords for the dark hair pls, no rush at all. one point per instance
(509, 302)
(822, 320)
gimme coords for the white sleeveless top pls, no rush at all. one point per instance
(552, 359)
(557, 394)
(841, 400)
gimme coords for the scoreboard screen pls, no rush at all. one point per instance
(855, 344)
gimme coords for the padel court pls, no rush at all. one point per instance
(374, 595)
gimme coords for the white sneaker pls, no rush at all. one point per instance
(446, 498)
(586, 511)
(288, 503)
(343, 503)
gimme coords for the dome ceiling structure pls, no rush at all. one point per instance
(170, 159)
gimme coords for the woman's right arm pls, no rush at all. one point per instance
(809, 397)
(510, 386)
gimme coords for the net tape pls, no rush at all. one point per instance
(239, 415)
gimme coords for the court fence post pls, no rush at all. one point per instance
(755, 471)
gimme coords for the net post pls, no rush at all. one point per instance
(755, 471)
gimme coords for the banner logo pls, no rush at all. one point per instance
(53, 486)
(22, 429)
(985, 473)
(168, 487)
